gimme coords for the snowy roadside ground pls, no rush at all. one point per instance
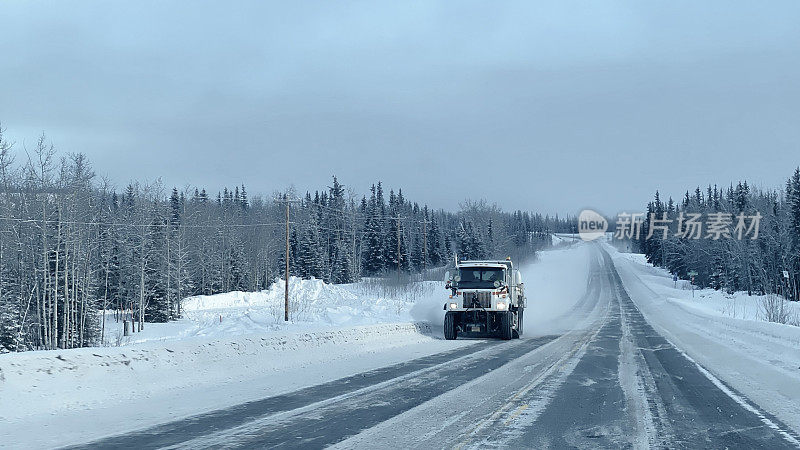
(227, 349)
(558, 240)
(738, 305)
(201, 363)
(314, 306)
(559, 274)
(61, 397)
(726, 334)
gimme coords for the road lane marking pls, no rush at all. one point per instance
(785, 434)
(562, 367)
(516, 413)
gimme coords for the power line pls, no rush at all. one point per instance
(138, 225)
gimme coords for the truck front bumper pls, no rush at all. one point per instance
(477, 322)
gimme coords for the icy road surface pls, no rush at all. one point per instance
(608, 380)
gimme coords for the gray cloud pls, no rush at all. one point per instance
(550, 106)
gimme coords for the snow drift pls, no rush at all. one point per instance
(235, 347)
(314, 305)
(725, 334)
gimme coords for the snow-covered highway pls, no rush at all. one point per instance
(609, 379)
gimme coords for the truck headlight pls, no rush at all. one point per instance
(453, 306)
(502, 306)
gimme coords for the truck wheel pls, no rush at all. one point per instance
(506, 332)
(449, 326)
(517, 332)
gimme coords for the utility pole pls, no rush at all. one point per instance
(286, 284)
(285, 200)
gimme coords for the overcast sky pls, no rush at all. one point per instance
(549, 106)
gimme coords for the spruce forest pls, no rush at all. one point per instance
(72, 245)
(769, 264)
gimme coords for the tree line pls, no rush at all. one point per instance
(73, 247)
(766, 264)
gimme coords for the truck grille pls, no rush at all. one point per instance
(477, 299)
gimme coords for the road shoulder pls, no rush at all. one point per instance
(741, 354)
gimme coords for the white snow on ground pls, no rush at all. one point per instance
(738, 305)
(234, 347)
(314, 305)
(200, 363)
(725, 334)
(563, 239)
(61, 397)
(227, 349)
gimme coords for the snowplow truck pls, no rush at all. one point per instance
(486, 300)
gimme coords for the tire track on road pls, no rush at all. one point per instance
(327, 423)
(185, 429)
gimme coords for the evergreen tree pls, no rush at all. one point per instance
(373, 263)
(293, 249)
(490, 238)
(417, 254)
(470, 246)
(436, 255)
(243, 199)
(341, 268)
(476, 243)
(10, 326)
(391, 250)
(793, 202)
(175, 208)
(238, 273)
(306, 257)
(142, 251)
(448, 247)
(157, 308)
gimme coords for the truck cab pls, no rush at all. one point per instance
(486, 300)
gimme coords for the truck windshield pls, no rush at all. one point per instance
(479, 277)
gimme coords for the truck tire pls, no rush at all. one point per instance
(449, 326)
(517, 332)
(506, 332)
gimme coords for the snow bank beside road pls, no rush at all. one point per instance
(709, 302)
(58, 397)
(759, 359)
(314, 305)
(553, 285)
(232, 348)
(226, 349)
